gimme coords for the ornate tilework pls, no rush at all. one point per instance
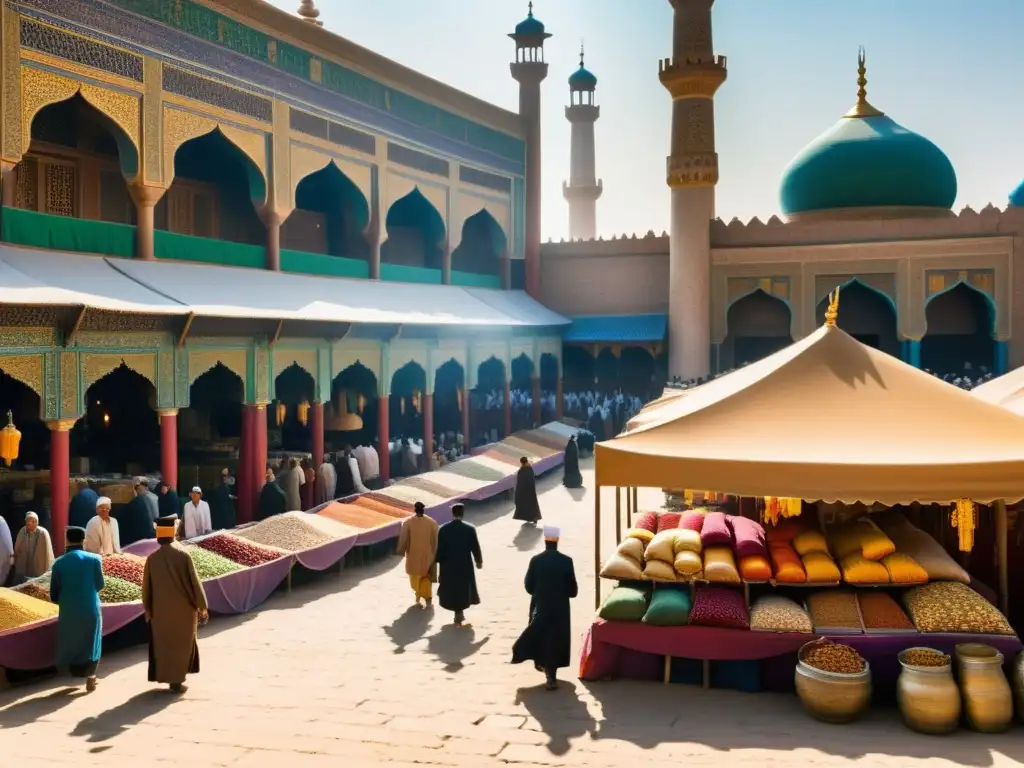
(11, 85)
(51, 397)
(201, 361)
(262, 377)
(25, 319)
(122, 338)
(219, 95)
(181, 378)
(96, 367)
(70, 402)
(122, 322)
(421, 161)
(48, 39)
(321, 128)
(483, 179)
(28, 369)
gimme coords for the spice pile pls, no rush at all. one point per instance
(773, 613)
(834, 611)
(925, 657)
(210, 565)
(117, 590)
(881, 613)
(17, 609)
(288, 532)
(834, 657)
(126, 567)
(239, 550)
(37, 588)
(948, 606)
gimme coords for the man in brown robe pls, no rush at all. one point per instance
(175, 604)
(418, 543)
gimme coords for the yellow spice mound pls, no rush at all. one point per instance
(17, 609)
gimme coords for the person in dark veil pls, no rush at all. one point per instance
(167, 499)
(596, 424)
(273, 499)
(345, 482)
(75, 584)
(83, 505)
(527, 504)
(551, 584)
(222, 504)
(134, 521)
(572, 477)
(458, 550)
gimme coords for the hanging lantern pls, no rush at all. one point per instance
(280, 410)
(458, 396)
(304, 412)
(347, 422)
(401, 405)
(417, 400)
(361, 403)
(10, 439)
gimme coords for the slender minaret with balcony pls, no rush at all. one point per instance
(583, 187)
(529, 69)
(692, 76)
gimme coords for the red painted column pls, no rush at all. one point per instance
(316, 424)
(169, 447)
(60, 480)
(428, 430)
(243, 477)
(559, 399)
(508, 408)
(259, 464)
(538, 411)
(467, 443)
(383, 449)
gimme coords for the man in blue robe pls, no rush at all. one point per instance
(75, 584)
(83, 506)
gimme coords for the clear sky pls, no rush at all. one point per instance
(951, 70)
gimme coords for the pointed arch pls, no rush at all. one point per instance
(991, 302)
(96, 367)
(867, 314)
(330, 214)
(201, 361)
(757, 324)
(307, 161)
(216, 401)
(550, 372)
(960, 323)
(856, 282)
(522, 372)
(482, 245)
(41, 88)
(416, 233)
(26, 369)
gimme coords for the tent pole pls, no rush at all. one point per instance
(636, 510)
(618, 514)
(1002, 533)
(597, 548)
(629, 508)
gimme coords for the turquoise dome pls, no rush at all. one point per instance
(583, 79)
(868, 161)
(530, 26)
(1017, 196)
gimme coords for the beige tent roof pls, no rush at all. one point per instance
(650, 411)
(829, 419)
(1007, 391)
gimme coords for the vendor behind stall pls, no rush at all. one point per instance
(134, 519)
(102, 534)
(33, 551)
(83, 505)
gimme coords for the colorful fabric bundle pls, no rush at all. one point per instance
(786, 564)
(810, 542)
(720, 566)
(662, 546)
(821, 568)
(692, 521)
(857, 569)
(670, 607)
(620, 567)
(785, 530)
(647, 521)
(748, 536)
(924, 550)
(688, 564)
(668, 520)
(719, 607)
(687, 540)
(633, 548)
(755, 568)
(640, 533)
(716, 531)
(658, 570)
(624, 604)
(903, 569)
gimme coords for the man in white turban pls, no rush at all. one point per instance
(102, 535)
(197, 515)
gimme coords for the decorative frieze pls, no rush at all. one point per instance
(182, 83)
(70, 396)
(81, 50)
(95, 367)
(28, 369)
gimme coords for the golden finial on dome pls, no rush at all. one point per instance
(832, 313)
(309, 12)
(862, 108)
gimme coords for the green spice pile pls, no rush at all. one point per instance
(210, 565)
(117, 590)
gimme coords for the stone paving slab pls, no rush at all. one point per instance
(345, 671)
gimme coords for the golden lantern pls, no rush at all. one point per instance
(361, 403)
(10, 439)
(304, 412)
(347, 422)
(417, 400)
(281, 410)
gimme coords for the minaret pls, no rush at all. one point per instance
(692, 76)
(530, 69)
(583, 187)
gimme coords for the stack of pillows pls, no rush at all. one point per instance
(666, 606)
(868, 556)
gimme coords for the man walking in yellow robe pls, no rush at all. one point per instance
(418, 543)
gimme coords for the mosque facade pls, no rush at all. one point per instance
(867, 206)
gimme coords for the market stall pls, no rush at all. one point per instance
(825, 433)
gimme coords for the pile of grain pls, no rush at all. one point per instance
(834, 609)
(246, 553)
(210, 565)
(18, 609)
(292, 533)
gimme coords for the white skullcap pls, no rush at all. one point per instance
(32, 516)
(196, 489)
(103, 501)
(551, 533)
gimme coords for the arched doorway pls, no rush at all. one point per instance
(351, 416)
(961, 324)
(408, 386)
(758, 325)
(34, 452)
(212, 195)
(76, 165)
(120, 431)
(482, 247)
(521, 386)
(867, 314)
(449, 384)
(549, 374)
(578, 377)
(606, 371)
(210, 429)
(416, 233)
(330, 217)
(636, 372)
(488, 419)
(288, 420)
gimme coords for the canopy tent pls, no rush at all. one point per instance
(1007, 391)
(828, 419)
(651, 410)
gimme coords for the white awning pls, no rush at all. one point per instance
(52, 278)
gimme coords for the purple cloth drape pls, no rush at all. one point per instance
(241, 591)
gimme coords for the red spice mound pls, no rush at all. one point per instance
(393, 511)
(126, 567)
(239, 550)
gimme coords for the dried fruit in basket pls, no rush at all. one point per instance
(834, 657)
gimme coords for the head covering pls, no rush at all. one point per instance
(551, 533)
(458, 510)
(166, 526)
(524, 461)
(103, 501)
(31, 516)
(74, 536)
(196, 489)
(419, 508)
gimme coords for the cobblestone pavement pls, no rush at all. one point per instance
(344, 669)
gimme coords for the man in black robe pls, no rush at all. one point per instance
(572, 478)
(458, 549)
(273, 499)
(167, 500)
(134, 521)
(222, 504)
(527, 504)
(346, 483)
(551, 583)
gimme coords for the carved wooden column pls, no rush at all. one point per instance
(316, 425)
(272, 221)
(60, 479)
(145, 198)
(169, 446)
(383, 440)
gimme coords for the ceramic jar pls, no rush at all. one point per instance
(987, 699)
(832, 697)
(928, 697)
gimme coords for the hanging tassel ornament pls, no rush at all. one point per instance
(965, 519)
